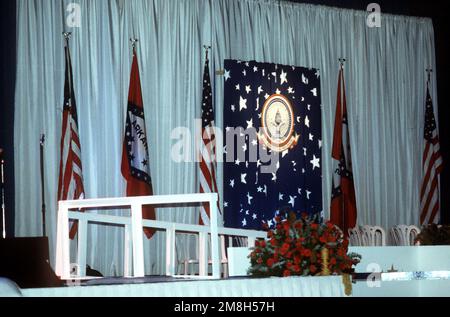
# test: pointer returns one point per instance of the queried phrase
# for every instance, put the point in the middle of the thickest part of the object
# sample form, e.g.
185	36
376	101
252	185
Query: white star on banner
242	104
315	162
283	77
307	121
292	200
227	75
308	193
250	124
304	80
232	183
238	87
280	196
244	223
248	89
260	90
249	199
243	178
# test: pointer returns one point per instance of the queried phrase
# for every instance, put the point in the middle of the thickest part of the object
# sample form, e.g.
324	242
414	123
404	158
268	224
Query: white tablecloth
331	286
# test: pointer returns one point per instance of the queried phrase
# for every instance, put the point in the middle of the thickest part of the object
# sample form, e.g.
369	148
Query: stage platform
330	286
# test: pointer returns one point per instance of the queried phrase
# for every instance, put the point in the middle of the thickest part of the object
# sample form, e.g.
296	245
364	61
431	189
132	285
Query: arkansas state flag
135	159
343	201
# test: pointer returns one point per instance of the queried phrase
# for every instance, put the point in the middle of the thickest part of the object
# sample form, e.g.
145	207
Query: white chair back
403	235
355	237
373	236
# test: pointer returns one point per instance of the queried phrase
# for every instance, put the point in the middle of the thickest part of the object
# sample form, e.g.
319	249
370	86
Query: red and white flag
135	158
343	201
70	184
432	167
208	162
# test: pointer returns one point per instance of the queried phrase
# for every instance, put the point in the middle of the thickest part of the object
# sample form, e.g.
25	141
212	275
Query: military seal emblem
277	124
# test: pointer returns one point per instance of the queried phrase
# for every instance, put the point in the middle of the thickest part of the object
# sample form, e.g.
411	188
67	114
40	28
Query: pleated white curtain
385	77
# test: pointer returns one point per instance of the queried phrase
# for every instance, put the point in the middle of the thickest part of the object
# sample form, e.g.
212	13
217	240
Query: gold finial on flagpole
429	71
342	61
207	48
134	41
67	36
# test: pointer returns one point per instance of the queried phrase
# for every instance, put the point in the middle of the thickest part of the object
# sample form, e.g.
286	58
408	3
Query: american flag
135	158
432	167
70	185
286	100
343	200
208	162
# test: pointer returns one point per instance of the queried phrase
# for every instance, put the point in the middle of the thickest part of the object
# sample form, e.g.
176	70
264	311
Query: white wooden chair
373	236
355	236
403	235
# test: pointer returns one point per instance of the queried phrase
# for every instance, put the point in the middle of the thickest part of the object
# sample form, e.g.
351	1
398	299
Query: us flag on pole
343	200
432	167
208	163
70	184
135	158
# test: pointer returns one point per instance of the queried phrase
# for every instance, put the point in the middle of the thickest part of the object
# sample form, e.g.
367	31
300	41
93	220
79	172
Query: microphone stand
2	185
42	141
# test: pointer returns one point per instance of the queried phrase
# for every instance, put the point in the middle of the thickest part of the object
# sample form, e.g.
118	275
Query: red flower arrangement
295	247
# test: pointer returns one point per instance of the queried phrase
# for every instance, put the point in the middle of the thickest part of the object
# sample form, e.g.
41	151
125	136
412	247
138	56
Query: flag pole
67	36
2	186
429	71
134	42
341	74
207	48
42	141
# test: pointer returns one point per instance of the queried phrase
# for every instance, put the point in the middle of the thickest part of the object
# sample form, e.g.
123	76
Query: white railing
133	232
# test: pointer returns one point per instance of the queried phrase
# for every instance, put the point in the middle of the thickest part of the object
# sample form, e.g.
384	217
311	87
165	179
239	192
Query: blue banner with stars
274	110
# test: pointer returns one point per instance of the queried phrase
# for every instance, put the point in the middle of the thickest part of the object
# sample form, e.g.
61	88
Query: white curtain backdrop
385	81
